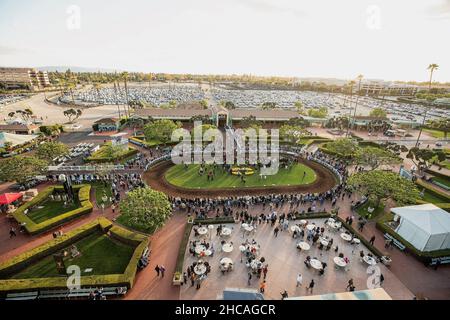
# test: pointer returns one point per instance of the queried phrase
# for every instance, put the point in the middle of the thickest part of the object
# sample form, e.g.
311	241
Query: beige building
30	78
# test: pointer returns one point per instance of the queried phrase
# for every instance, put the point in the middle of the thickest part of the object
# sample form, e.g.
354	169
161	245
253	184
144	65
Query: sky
380	39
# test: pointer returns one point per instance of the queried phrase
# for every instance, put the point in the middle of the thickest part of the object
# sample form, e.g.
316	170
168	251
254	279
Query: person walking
249	278
311	286
262	286
299	280
275	231
157	269
372	240
265	270
284	295
12	233
162	269
350	284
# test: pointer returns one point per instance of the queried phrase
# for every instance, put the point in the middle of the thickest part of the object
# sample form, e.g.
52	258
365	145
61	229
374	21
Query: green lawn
433	198
362	211
48	209
100	189
442	180
435	133
189	178
98	251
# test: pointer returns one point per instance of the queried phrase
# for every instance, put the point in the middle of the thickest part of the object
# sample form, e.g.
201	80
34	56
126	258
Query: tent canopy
15	139
8	198
426	226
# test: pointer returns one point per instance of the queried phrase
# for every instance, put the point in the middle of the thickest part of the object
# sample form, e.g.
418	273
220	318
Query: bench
22	296
53	294
442	260
397	243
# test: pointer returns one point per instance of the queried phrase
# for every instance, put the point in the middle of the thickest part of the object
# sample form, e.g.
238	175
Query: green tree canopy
378	112
250	121
160	130
72	114
422	156
375	157
321	112
343	146
382	185
21	168
292	133
50	150
145	209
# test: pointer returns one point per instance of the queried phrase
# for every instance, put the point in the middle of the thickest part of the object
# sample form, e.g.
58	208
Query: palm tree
359	77
351	84
431	67
125	78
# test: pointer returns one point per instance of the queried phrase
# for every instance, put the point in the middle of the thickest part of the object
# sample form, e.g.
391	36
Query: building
219	116
107	124
19	128
384	88
25	78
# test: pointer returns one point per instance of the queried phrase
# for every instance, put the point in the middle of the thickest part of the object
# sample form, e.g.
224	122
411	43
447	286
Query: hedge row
34	228
125	279
422	256
131	152
182	249
218	220
21	261
437	173
435	191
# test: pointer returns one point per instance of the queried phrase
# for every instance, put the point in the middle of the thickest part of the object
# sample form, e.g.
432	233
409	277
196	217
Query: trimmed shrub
126	279
34	228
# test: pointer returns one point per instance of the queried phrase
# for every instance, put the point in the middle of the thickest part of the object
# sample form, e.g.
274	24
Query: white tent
424	226
15	139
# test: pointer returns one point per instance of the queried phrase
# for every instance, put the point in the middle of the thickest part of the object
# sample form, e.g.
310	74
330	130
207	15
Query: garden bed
112	252
48	217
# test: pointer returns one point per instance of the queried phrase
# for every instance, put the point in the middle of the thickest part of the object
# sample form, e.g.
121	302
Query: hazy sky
384	39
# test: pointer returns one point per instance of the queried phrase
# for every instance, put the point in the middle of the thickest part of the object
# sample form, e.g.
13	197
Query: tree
343	146
298	122
204	103
375	157
268	105
160	130
431	67
72	114
50	150
382	185
145	209
378	112
442	125
423	156
249	121
321	112
202	118
21	168
229	105
292	133
112	151
300	108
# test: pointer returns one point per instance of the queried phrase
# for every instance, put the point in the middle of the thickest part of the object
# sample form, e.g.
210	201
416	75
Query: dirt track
155	178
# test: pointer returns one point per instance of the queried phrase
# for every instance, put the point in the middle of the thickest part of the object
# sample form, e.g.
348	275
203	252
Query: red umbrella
7	198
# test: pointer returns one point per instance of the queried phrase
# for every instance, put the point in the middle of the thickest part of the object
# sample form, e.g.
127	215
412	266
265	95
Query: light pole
360	77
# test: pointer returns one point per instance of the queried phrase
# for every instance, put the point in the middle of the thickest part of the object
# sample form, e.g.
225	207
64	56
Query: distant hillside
76	69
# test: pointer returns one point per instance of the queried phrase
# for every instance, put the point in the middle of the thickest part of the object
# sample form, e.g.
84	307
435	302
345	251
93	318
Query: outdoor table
324	242
356	241
226	261
331	220
227	247
202	231
303	222
210	227
346	236
225	232
200	269
340	262
244	225
208	252
311	227
369	260
295	228
334	225
200	248
249	228
316	264
242	248
304	246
